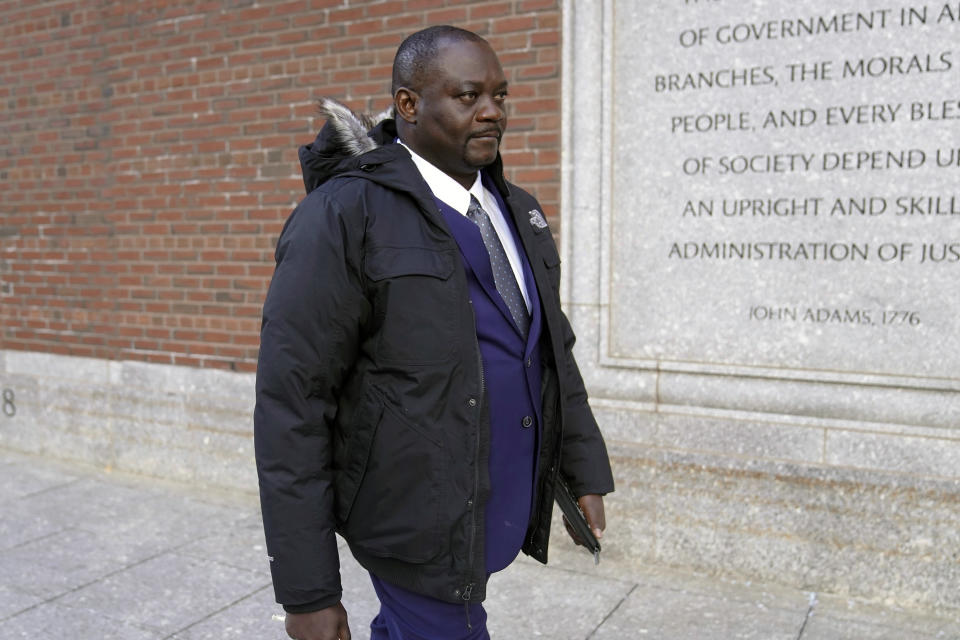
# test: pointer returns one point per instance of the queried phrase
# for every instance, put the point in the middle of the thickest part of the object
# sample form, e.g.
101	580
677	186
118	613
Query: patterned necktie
502	271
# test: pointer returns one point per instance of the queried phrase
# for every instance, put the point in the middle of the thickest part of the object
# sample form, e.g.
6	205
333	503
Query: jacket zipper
468	589
466	603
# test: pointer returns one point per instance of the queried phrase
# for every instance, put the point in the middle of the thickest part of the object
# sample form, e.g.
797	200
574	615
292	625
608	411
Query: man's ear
406	101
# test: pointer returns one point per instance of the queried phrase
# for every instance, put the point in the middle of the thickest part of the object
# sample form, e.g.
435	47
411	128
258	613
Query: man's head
449	92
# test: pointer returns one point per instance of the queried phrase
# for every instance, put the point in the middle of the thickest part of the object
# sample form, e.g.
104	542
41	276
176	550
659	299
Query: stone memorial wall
786	189
761	249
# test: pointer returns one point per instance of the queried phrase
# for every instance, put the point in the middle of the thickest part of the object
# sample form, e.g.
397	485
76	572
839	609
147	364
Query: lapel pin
537	220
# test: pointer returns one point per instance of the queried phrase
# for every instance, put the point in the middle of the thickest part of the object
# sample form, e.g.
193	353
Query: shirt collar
444	187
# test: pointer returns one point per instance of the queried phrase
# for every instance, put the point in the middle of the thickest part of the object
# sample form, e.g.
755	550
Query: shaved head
455	113
416	55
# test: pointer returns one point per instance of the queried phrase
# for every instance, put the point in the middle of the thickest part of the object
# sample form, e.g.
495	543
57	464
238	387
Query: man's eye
501	96
468	95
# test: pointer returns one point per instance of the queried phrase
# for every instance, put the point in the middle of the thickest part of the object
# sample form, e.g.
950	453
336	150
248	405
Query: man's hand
325	624
592	507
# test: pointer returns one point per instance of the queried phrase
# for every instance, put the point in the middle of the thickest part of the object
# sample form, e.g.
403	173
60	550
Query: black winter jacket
370	411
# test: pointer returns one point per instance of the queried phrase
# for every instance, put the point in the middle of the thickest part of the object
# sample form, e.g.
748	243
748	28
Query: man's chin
482	159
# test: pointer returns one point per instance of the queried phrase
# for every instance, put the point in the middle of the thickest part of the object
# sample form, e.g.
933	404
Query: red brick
346	15
533	107
307	19
419	5
385	9
365	27
545	38
518	23
391	40
291	37
410	20
447	16
518	58
291	8
490	10
548	20
537	5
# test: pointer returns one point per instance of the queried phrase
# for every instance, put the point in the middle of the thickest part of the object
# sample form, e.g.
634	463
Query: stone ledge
889	538
161	420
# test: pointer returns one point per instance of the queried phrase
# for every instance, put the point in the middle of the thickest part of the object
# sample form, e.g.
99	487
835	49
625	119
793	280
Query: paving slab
88	555
56	564
239	545
57	621
824	628
13	601
20	478
167	593
20	482
837	618
136	515
249	617
682	614
528	600
19	525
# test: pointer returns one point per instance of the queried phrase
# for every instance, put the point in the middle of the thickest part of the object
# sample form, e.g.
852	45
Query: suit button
472	402
527	421
529	363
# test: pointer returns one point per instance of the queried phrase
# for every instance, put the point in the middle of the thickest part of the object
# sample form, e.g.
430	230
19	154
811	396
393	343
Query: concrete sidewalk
86	555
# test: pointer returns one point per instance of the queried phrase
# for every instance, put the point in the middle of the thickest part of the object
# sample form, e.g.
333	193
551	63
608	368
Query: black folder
568	504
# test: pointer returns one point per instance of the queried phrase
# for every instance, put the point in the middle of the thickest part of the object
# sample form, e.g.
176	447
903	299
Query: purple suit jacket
512	375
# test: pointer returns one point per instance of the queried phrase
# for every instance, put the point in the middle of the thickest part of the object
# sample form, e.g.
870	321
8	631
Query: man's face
460	114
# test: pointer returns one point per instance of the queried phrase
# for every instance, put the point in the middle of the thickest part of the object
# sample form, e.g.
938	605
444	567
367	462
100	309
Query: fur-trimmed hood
350	129
344	138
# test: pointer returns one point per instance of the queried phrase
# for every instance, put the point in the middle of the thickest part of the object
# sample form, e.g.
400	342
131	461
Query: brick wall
148	154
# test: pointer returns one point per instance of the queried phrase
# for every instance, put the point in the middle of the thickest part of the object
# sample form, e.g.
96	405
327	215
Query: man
416	391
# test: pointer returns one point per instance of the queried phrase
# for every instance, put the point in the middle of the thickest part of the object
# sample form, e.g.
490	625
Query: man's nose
490	111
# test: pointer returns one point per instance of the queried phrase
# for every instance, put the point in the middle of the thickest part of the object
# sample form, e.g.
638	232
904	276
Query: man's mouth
490	133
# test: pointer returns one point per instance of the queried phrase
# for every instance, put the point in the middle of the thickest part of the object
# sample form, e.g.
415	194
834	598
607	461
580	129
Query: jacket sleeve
584	461
308	340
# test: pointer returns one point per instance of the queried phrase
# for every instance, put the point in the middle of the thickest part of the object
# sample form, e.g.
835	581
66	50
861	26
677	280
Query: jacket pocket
352	444
396	510
551	259
413	299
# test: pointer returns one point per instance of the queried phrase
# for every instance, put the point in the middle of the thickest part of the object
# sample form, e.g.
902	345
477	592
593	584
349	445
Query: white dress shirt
451	192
